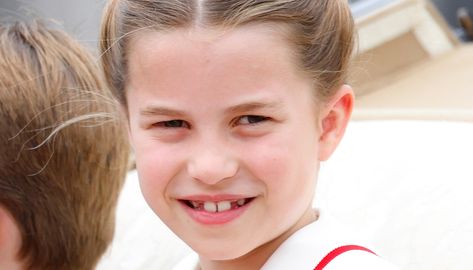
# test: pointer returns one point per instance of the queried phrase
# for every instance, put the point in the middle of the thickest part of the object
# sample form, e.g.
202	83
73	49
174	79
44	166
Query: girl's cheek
157	164
267	162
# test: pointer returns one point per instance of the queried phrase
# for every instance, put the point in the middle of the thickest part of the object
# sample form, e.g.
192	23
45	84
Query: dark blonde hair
63	152
321	32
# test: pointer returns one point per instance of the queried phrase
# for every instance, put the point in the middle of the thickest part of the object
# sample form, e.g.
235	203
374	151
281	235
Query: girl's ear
10	241
334	119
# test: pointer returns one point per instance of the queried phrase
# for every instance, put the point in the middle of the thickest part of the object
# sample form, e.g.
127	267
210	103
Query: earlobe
334	120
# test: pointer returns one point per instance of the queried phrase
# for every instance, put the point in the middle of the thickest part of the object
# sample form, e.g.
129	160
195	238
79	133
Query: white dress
309	245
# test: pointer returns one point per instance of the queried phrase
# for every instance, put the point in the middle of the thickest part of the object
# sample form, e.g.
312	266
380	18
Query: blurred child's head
64	154
231	107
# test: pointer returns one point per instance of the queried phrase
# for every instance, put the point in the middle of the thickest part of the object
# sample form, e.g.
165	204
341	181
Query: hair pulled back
321	32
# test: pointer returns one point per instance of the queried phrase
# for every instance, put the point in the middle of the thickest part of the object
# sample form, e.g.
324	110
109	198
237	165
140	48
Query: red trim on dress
338	251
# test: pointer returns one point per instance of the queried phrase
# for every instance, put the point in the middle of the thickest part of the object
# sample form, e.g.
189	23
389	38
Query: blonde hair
321	32
64	153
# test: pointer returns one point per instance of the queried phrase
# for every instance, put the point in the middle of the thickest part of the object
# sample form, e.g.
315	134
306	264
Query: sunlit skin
216	115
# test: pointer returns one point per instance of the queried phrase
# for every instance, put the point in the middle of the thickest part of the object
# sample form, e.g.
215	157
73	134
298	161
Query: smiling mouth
217	207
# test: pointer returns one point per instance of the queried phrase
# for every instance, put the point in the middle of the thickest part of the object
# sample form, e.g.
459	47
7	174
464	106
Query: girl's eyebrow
159	110
252	106
153	110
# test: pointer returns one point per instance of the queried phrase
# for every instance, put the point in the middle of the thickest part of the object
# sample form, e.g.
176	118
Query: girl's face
225	133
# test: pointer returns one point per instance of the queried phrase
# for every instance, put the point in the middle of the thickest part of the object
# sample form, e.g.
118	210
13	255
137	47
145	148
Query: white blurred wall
80	18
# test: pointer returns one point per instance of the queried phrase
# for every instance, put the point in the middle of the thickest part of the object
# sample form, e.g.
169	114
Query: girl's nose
212	165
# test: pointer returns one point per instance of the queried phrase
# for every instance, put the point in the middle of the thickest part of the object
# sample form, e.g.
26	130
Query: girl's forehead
224	67
253	48
213	34
247	39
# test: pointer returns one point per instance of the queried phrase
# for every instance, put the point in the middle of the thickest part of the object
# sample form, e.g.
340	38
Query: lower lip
216	218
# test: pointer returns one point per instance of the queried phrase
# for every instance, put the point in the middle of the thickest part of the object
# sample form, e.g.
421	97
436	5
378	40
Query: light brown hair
321	32
63	152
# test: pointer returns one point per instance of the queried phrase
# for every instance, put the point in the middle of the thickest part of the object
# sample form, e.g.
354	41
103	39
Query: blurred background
80	18
414	59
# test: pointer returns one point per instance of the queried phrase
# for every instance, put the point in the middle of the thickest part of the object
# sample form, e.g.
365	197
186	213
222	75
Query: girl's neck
258	257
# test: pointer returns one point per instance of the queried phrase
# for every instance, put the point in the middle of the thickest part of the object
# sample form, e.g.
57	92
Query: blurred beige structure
410	65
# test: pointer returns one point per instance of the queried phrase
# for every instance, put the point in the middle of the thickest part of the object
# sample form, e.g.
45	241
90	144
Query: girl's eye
251	119
173	124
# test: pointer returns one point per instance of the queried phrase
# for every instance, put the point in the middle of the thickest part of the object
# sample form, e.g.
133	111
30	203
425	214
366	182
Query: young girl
231	107
63	154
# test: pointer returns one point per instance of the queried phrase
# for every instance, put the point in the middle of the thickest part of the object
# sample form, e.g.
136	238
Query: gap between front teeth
222	206
217	207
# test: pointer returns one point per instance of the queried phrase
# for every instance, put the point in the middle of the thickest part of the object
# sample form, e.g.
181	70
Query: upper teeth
220	206
217	206
223	206
195	204
210	207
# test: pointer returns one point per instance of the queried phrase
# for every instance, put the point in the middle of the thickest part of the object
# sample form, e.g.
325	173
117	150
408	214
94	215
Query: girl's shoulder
357	259
317	241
